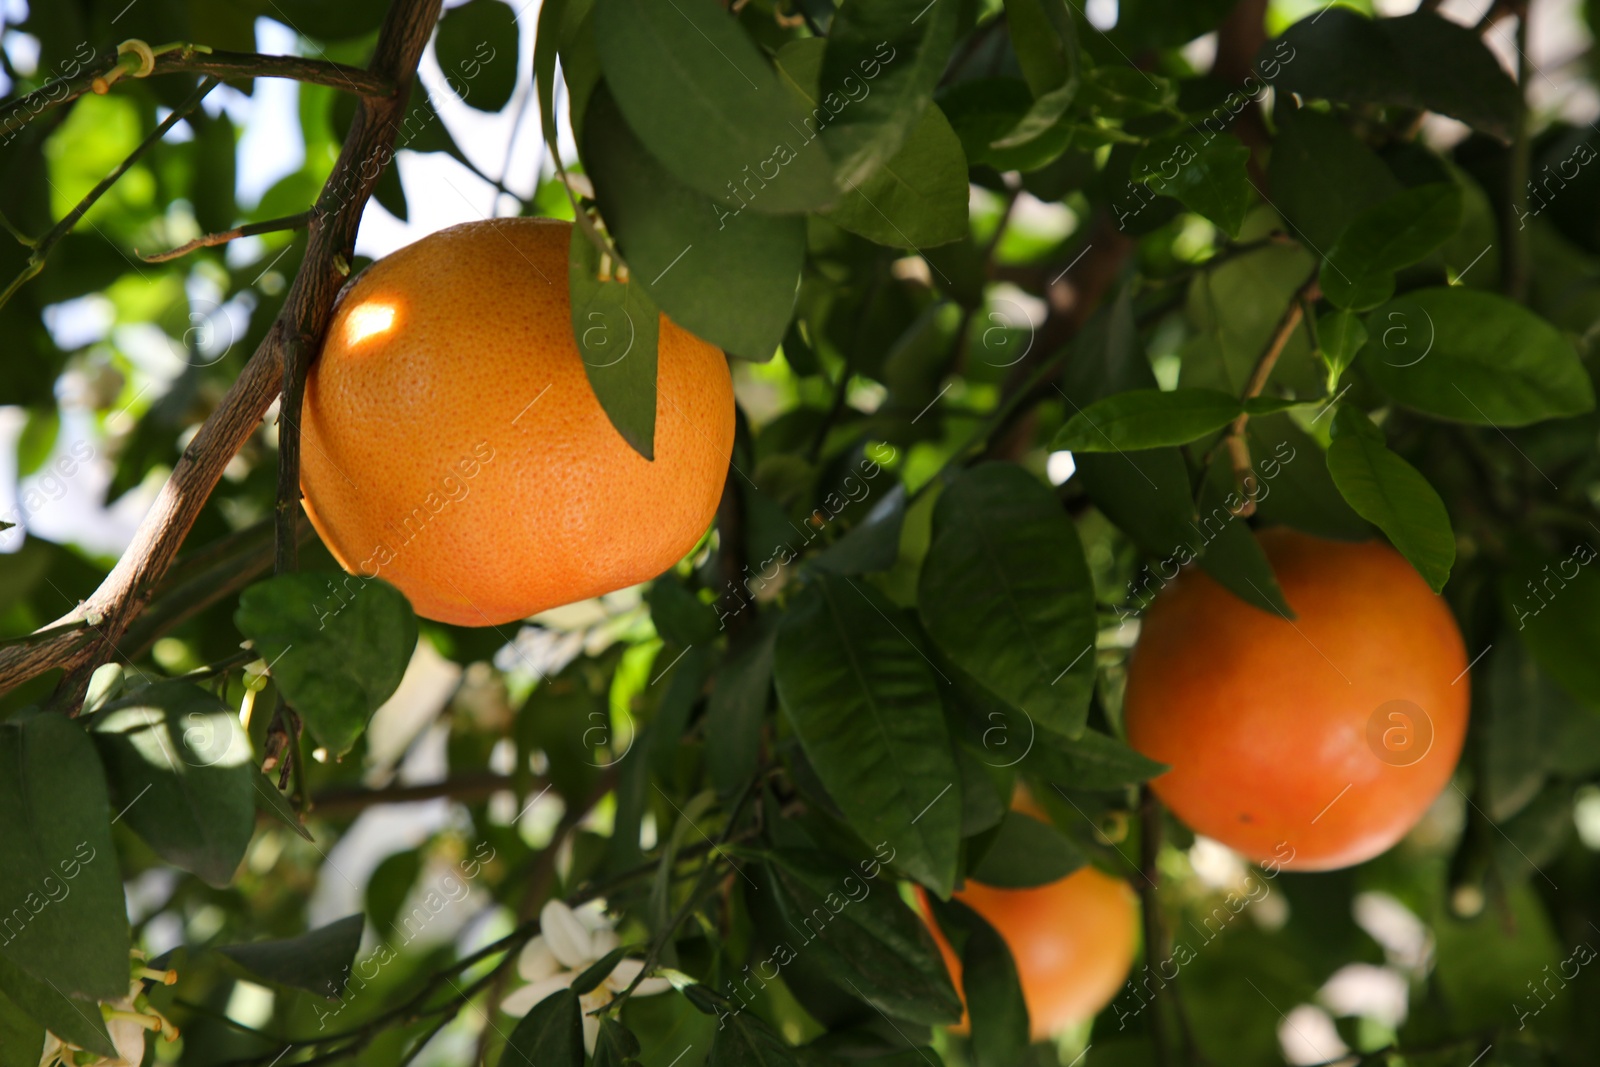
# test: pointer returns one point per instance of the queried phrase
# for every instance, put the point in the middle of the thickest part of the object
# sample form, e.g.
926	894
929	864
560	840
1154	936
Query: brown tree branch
212	240
367	150
226	66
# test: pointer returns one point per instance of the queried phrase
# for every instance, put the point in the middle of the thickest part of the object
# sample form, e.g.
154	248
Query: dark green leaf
614	1045
1474	357
597	972
709	105
1234	558
915	198
551	1035
1322	176
1389	493
918	198
738	709
1554	604
336	652
1147	418
1006	594
616	327
21	1038
873	544
1419	61
863	934
897	49
722	273
317	961
477	50
996	1006
65	920
863	700
74	1019
1146	494
387	890
1359	272
680	616
1023	852
986	111
1092	760
1204	171
180	766
268	799
745	1041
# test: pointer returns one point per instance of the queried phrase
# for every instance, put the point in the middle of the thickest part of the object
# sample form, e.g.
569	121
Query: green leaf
722	273
1359	271
1023	852
1145	494
746	1041
616	327
1419	61
21	1039
1202	170
863	701
1529	725
873	544
1474	357
1046	42
551	1035
1389	493
477	50
916	198
1146	419
987	111
1341	335
863	934
336	654
737	711
996	1006
1554	604
65	920
1006	594
897	49
75	1019
1322	176
317	961
597	972
1092	760
709	105
614	1045
267	798
678	615
181	768
1234	558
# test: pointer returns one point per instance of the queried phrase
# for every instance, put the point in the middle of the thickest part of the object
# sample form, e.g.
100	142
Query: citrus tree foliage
1244	263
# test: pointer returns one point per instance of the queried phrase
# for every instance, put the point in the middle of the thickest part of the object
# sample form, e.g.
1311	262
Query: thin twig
212	240
42	247
227	66
1238	445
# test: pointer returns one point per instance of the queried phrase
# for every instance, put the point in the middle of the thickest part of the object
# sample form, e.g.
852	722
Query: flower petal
568	938
537	961
592	914
591	1030
603	941
522	1001
624	973
651	986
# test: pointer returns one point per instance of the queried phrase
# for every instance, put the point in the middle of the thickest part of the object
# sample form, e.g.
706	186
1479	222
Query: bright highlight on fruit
1316	742
454	447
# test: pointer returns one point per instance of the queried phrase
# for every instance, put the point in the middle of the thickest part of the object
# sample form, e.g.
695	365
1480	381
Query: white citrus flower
569	943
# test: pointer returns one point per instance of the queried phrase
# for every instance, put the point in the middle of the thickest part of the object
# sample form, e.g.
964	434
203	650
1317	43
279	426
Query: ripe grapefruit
1315	743
454	447
1073	942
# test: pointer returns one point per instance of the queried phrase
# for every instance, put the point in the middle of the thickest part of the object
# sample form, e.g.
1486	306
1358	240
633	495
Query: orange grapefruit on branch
1316	742
452	444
